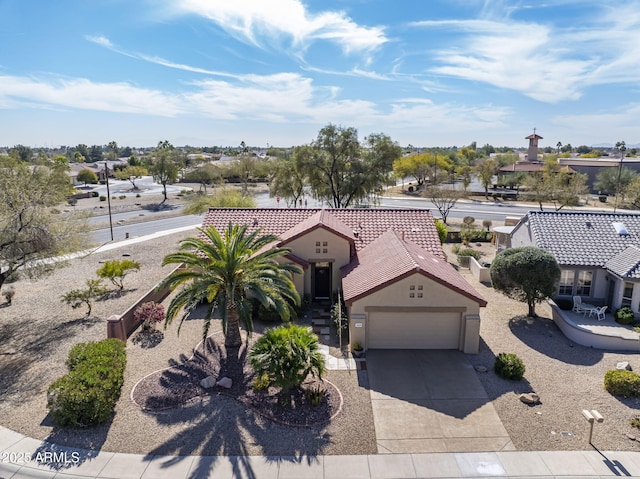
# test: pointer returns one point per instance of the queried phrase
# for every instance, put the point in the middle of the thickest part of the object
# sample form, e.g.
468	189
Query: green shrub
116	270
122	197
621	382
261	382
509	366
87	395
441	228
103	198
470	252
137	195
625	316
314	395
94	194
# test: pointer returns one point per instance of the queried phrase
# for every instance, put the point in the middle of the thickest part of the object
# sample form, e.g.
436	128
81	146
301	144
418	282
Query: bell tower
532	153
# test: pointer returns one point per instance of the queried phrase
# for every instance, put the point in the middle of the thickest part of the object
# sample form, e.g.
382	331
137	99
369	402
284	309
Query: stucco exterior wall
436	297
338	253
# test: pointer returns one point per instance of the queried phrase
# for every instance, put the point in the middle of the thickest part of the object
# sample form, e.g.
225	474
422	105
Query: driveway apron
431	401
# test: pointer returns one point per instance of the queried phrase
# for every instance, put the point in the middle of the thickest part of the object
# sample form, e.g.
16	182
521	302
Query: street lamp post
621	147
106	177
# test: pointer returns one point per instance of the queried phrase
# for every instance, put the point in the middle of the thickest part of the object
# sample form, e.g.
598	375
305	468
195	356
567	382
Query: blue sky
273	72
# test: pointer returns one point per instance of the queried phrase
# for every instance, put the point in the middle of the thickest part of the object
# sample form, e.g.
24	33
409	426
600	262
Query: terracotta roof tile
390	258
322	218
365	225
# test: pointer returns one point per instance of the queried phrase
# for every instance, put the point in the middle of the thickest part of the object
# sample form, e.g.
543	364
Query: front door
322	280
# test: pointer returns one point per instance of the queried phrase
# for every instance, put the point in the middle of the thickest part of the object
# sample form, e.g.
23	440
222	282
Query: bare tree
443	198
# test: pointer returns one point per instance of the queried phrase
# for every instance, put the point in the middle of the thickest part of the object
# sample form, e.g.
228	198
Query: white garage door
412	330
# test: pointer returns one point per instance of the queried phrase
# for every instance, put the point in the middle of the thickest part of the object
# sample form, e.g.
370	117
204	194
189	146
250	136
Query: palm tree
226	271
287	354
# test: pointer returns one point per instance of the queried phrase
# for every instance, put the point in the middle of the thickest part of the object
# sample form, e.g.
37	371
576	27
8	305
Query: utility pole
106	177
621	147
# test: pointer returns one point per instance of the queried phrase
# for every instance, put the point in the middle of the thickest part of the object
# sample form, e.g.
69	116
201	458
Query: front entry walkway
427	401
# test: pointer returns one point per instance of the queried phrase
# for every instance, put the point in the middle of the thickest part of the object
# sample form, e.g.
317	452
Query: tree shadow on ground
555	344
117	293
155	207
56	455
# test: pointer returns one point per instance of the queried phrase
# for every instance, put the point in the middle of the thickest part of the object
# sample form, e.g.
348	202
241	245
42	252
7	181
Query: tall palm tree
227	271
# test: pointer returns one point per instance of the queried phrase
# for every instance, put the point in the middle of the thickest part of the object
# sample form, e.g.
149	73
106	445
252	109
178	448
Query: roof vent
255	221
588	224
620	228
355	233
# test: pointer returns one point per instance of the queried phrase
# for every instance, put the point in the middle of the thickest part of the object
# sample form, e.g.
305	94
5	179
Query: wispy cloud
259	22
82	94
547	62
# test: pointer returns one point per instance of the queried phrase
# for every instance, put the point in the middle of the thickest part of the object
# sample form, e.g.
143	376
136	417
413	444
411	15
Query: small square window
324	243
411	295
317	243
419	295
419	287
317	250
412	287
324	250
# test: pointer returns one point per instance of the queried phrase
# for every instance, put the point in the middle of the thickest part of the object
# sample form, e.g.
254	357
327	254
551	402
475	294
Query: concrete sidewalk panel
125	466
169	467
233	467
567	463
396	466
8	438
480	464
302	468
411	446
346	467
436	465
523	464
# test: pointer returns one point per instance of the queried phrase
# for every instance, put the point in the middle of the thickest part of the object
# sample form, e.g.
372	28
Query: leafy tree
112	148
205	175
31	230
78	158
288	354
441	228
83	150
77	297
21	153
87	176
526	274
607	179
95	154
465	173
165	168
443	198
288	180
429	166
342	172
485	170
224	198
116	270
226	271
555	184
246	168
131	173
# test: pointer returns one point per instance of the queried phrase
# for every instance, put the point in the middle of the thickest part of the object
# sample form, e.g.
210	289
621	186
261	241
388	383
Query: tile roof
322	218
365	225
626	264
390	258
583	238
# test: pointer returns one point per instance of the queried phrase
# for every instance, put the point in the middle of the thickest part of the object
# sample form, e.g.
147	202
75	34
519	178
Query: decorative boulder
208	382
225	382
624	365
529	398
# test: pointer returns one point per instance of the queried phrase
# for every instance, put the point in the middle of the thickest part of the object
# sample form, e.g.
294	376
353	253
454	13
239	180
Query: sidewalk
22	457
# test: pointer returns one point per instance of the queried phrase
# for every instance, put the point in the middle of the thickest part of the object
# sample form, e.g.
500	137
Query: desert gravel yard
37	332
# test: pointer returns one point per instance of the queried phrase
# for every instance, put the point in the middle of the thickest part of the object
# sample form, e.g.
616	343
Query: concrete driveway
431	401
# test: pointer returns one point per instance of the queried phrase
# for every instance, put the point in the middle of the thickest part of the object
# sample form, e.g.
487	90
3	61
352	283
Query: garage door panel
388	330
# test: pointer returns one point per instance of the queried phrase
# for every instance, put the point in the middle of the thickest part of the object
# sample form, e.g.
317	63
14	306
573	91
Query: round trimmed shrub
621	382
625	316
509	366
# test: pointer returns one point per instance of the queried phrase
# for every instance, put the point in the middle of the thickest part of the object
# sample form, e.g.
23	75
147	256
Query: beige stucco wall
338	253
435	297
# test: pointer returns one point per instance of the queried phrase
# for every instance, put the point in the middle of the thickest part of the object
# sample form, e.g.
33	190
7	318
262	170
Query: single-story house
598	253
389	266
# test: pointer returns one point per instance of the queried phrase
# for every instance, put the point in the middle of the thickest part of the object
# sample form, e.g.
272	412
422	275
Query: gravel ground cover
567	377
37	332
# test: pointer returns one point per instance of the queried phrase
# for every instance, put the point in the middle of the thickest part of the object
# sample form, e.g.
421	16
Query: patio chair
577	304
600	312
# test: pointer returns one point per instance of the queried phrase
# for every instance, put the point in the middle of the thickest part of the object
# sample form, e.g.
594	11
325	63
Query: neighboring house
389	266
598	253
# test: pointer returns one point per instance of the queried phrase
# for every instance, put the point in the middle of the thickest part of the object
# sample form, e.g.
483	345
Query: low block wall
124	325
612	341
479	272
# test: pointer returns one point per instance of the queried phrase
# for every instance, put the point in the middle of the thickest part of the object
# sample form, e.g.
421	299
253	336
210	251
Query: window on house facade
627	294
566	282
584	283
